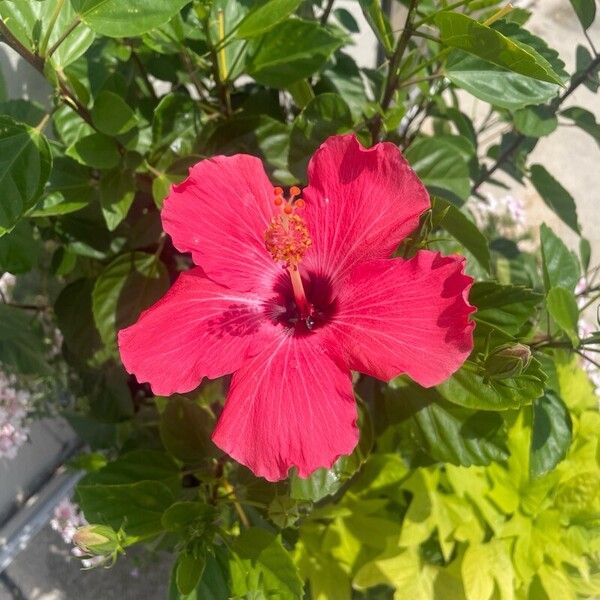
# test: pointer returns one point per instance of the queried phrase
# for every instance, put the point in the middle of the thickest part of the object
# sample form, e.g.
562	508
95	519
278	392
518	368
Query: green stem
50	28
66	33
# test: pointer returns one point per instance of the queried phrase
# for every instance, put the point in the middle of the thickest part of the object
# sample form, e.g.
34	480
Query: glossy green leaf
373	12
23	111
185	430
117	192
127	286
262	564
112	115
585	120
555	196
585	10
189	569
441	167
29	23
464	231
560	265
325	115
25	165
95	150
468	387
562	306
265	15
447	432
175	124
551	434
293	51
535	121
115	18
19	249
495	85
464	33
21	345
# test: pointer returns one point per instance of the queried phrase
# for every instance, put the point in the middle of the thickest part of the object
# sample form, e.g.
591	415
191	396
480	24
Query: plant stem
50	28
520	138
33	59
66	33
144	74
327	12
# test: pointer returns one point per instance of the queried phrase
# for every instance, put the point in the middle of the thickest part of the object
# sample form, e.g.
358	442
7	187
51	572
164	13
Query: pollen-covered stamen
287	239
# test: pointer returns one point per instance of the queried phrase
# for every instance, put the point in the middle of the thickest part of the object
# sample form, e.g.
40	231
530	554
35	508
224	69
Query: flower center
287	239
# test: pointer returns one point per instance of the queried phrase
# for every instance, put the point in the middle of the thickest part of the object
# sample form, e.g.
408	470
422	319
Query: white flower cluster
504	215
66	520
14	406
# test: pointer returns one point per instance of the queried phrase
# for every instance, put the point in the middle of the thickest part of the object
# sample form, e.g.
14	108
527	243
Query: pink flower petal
359	203
407	316
198	329
220	214
290	406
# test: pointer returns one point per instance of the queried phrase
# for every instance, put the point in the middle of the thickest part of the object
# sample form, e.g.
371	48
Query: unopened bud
508	360
97	540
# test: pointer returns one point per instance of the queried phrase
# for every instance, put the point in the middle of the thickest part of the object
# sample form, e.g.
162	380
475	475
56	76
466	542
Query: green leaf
19	249
108	394
112	115
551	434
584	119
583	61
447	432
468	388
138	507
326	482
560	265
127	286
379	23
28	21
295	50
95	150
25	165
562	306
117	192
265	15
30	113
116	18
441	167
182	516
464	231
555	196
21	347
175	124
464	33
535	121
586	11
262	564
185	430
188	572
505	307
325	115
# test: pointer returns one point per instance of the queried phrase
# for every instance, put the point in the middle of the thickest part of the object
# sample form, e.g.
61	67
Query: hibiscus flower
292	294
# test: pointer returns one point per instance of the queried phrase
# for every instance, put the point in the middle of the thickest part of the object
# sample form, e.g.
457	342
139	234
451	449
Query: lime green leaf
556	584
265	15
441	167
535	121
293	51
185	430
116	18
551	433
95	150
562	306
505	307
561	266
262	564
486	566
464	231
586	11
25	165
189	569
21	347
462	32
325	115
19	249
468	388
584	119
112	115
576	389
127	286
555	196
447	432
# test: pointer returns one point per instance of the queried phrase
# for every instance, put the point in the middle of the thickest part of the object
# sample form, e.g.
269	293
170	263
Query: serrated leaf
551	434
562	306
112	115
560	265
95	150
556	197
535	121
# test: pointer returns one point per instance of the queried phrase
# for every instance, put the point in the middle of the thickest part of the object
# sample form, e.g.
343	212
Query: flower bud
97	540
508	360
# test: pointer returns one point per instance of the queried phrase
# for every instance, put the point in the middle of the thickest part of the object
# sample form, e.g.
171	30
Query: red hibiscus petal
198	329
220	214
290	406
407	316
359	203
